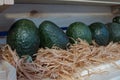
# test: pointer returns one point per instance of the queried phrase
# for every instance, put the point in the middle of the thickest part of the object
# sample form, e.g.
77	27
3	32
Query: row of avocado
101	33
26	38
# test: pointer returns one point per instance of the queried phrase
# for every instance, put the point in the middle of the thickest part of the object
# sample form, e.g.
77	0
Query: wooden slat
62	15
87	2
8	2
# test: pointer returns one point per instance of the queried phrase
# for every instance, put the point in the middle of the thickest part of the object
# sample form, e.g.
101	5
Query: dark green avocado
23	37
114	31
51	35
99	33
79	30
116	19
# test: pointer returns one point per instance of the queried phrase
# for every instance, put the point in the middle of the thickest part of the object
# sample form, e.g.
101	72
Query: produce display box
63	14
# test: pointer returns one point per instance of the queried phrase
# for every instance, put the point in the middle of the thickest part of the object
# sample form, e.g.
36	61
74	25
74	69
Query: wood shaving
57	63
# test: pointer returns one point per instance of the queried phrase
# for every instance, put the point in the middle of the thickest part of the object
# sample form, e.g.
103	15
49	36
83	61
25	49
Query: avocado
99	33
79	30
114	31
23	37
116	19
52	35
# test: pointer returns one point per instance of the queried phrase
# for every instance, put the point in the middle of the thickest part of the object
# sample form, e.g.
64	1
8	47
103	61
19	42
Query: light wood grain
8	2
62	15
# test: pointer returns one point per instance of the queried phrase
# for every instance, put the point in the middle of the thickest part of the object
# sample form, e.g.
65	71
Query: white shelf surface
108	71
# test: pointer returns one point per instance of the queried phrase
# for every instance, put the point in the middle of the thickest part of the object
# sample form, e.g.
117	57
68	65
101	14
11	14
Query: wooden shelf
87	2
76	2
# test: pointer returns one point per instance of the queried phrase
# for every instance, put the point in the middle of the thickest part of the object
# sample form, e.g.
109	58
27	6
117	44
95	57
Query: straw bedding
56	63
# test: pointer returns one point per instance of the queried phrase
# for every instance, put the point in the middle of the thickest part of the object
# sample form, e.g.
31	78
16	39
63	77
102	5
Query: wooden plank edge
8	2
87	2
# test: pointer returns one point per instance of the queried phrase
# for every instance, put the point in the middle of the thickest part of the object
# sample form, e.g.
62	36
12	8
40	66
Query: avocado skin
79	30
51	35
100	33
23	37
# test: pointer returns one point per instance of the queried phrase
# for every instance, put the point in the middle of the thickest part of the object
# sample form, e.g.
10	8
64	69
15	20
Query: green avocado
51	35
23	37
114	31
116	19
79	30
99	33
